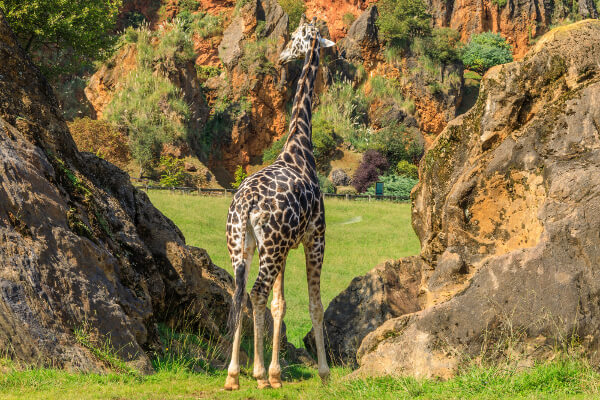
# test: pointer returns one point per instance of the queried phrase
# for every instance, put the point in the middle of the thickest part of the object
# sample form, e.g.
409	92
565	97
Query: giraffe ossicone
275	210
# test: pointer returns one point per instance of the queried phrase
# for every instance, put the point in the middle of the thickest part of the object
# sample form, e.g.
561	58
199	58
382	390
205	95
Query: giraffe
275	210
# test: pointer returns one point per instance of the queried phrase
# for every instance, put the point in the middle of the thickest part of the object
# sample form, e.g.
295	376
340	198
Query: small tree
372	165
239	177
69	30
404	168
173	172
324	142
485	50
294	9
401	20
444	45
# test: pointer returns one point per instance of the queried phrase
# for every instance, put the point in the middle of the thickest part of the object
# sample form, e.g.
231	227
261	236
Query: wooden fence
223	192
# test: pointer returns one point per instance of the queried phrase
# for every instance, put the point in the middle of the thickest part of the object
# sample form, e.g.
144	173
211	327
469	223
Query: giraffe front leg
314	251
278	311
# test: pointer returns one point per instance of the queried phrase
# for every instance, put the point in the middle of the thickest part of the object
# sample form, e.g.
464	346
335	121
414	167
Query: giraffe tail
241	276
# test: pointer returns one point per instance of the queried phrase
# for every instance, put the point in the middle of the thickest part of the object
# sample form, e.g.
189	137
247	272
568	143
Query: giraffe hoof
232	383
263	383
275	381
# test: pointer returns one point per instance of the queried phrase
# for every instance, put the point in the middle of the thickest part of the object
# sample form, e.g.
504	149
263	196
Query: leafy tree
485	50
371	167
325	184
444	45
173	172
324	142
397	143
239	177
401	20
60	33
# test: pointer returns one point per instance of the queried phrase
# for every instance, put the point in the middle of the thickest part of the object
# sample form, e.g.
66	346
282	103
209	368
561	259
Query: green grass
359	236
563	378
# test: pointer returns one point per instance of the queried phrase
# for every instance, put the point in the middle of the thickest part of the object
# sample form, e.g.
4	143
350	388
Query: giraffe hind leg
278	310
241	266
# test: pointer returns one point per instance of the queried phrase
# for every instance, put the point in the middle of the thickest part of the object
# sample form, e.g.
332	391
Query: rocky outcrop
362	42
507	211
519	21
81	250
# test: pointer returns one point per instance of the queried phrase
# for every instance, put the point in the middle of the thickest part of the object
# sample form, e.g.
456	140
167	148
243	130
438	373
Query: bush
372	165
189	5
397	143
254	59
346	110
485	50
101	138
239	177
444	45
346	190
325	184
339	177
175	42
172	172
404	168
348	19
324	143
402	20
204	72
271	153
394	185
294	9
152	111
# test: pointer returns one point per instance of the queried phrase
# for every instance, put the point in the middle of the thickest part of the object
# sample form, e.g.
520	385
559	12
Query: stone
339	177
506	210
362	39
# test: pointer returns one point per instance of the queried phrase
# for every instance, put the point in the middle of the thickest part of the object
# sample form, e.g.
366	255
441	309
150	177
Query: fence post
369	198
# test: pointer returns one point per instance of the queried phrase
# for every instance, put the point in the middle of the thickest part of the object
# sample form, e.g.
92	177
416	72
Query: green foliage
444	45
348	18
152	111
394	185
407	169
272	152
325	184
294	9
189	5
402	20
345	109
499	3
61	35
239	177
101	138
134	19
324	141
224	113
485	50
175	43
205	72
172	172
397	143
383	88
254	59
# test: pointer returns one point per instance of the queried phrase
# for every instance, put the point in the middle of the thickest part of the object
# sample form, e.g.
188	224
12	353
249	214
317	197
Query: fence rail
207	191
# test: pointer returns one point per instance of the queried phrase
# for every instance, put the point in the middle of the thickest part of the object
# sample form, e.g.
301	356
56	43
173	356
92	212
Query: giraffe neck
298	148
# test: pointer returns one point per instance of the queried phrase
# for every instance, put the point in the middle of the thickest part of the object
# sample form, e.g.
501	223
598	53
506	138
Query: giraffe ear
302	19
326	42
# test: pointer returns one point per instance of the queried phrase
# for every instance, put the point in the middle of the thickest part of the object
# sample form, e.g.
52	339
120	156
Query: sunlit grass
359	236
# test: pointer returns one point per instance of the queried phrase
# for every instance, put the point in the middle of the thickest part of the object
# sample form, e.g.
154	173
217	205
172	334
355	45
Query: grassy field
359	236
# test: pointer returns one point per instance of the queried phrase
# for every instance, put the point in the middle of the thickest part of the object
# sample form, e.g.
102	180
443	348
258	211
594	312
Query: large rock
80	248
507	211
362	41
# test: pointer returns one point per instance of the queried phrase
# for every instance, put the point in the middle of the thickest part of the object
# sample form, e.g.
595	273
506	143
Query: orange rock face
333	11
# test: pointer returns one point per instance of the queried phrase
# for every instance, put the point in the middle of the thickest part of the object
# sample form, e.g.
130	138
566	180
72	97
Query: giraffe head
299	43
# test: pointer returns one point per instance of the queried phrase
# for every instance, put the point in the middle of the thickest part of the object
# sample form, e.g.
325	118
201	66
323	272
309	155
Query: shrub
485	50
394	185
204	72
407	169
346	110
271	153
101	138
152	111
372	165
325	184
397	143
172	172
348	19
294	9
239	177
189	5
339	177
444	45
346	190
324	143
208	25
384	88
402	20
254	59
175	42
